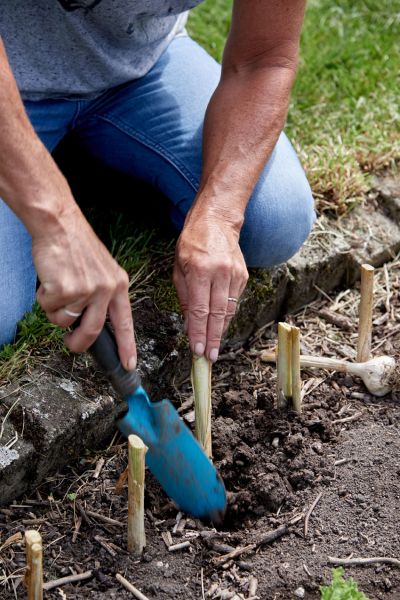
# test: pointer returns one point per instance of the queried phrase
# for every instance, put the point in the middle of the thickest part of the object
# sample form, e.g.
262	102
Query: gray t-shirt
79	48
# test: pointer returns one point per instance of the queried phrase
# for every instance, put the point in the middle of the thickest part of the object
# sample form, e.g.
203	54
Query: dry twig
354	417
309	513
77	528
253	585
122	479
180	546
220	560
202	583
106	545
131	588
364	561
99	466
264	539
50	585
100	517
334	319
13	539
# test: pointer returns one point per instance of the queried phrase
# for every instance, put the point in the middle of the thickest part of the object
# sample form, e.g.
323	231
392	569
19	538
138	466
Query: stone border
330	259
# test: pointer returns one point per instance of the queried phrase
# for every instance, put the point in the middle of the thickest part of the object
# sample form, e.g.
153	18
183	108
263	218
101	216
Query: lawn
343	120
344	113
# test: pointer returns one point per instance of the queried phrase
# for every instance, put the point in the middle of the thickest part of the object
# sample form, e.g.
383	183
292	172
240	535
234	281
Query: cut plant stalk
34	561
201	382
284	370
136	473
378	374
295	367
365	313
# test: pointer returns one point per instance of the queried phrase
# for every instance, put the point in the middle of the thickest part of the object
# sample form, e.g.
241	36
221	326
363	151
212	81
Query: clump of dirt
265	457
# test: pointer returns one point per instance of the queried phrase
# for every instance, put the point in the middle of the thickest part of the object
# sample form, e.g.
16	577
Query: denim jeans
151	129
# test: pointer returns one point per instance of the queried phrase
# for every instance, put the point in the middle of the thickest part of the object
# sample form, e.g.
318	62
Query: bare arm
248	109
244	119
25	160
74	268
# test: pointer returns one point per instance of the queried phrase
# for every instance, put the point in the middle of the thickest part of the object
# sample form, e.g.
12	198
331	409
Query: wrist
222	210
43	200
46	217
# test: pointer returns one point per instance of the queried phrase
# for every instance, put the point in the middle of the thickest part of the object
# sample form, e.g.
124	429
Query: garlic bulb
380	375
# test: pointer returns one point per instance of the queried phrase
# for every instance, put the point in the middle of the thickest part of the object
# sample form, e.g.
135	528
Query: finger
182	291
120	312
218	307
55	297
236	289
49	298
66	316
89	328
198	312
231	309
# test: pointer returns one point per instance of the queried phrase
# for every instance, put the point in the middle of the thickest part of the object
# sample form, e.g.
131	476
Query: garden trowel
174	456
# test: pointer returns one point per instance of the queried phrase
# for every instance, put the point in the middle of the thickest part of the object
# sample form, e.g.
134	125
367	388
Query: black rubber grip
105	352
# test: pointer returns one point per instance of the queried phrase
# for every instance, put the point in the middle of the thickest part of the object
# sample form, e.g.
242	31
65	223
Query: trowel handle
105	352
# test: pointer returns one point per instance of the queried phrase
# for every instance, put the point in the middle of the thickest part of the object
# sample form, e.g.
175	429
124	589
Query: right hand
77	273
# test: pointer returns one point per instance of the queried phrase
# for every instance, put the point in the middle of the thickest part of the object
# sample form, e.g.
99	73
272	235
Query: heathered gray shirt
78	48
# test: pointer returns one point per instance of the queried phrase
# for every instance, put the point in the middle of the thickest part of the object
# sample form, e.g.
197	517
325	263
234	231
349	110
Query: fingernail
214	354
132	364
199	349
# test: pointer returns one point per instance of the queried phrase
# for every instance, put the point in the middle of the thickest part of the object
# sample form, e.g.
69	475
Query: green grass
36	338
344	116
343	120
147	257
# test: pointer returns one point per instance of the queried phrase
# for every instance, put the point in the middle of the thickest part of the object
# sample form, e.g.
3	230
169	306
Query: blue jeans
151	128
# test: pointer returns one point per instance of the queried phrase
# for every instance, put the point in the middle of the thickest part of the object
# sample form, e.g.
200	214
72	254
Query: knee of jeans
300	225
284	230
9	319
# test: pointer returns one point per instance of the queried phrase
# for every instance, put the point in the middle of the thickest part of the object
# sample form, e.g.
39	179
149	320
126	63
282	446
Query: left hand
209	269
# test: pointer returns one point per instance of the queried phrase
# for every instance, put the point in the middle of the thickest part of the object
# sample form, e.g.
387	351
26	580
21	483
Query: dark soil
274	465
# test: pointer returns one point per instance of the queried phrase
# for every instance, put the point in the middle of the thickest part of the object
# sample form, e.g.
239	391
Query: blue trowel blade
175	457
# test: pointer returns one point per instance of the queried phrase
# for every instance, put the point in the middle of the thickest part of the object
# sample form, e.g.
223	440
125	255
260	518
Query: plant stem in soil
34	561
365	313
201	382
136	472
284	359
295	364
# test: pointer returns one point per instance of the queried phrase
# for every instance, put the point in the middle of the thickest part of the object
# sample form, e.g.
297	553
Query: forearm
244	119
30	181
248	109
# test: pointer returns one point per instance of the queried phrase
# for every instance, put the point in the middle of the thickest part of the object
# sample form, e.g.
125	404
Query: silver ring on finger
231	299
71	313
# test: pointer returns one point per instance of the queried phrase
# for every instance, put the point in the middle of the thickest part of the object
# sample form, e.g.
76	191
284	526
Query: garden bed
342	450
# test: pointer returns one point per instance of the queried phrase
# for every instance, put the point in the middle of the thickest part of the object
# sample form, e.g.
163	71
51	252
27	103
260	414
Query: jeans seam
152	145
76	115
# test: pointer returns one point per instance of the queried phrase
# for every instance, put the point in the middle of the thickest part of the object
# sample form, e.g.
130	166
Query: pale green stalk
296	377
136	471
201	382
284	360
34	563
